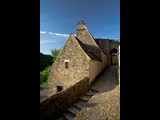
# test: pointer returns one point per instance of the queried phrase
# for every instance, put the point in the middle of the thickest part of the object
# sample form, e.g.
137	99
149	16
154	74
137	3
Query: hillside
45	60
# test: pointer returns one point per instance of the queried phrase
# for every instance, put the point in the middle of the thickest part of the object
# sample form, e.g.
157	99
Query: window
59	88
67	63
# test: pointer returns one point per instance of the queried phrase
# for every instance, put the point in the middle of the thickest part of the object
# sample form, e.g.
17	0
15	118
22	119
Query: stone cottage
81	56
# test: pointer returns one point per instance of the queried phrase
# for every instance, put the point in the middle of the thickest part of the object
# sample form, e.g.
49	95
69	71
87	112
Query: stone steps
85	98
73	109
77	107
80	104
91	92
68	115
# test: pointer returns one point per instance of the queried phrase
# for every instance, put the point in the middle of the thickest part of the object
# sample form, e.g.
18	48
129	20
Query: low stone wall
55	104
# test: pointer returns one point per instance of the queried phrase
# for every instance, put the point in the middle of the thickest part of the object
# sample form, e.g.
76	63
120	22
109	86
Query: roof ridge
87	51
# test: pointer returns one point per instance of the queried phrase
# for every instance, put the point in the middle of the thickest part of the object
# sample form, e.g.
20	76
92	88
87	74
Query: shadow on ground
106	80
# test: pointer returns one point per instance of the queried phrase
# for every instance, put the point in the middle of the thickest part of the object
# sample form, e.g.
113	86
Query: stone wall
114	44
78	66
52	106
106	48
95	67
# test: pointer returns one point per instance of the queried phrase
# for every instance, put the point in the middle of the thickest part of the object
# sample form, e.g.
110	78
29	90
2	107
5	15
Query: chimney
80	27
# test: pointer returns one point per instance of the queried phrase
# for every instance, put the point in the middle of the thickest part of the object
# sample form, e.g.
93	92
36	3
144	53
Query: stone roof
88	51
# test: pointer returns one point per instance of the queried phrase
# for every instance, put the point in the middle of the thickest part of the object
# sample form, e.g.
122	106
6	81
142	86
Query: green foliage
54	53
44	75
45	60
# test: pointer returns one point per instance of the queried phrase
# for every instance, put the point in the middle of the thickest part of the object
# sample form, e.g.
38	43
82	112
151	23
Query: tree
54	53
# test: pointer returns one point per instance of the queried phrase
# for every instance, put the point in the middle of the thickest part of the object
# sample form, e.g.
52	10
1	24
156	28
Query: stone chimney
80	26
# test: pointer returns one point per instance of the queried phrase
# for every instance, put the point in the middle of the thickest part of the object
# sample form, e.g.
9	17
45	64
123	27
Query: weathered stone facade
78	66
81	59
81	56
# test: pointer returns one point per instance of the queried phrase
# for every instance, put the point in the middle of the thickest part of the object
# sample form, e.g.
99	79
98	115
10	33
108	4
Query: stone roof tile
87	51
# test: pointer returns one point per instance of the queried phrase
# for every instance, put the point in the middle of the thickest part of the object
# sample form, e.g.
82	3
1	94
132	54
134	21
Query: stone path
101	102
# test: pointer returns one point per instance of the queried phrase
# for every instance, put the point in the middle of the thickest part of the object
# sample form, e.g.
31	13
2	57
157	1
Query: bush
44	75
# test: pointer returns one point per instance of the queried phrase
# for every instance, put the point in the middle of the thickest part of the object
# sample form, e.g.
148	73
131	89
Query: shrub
44	75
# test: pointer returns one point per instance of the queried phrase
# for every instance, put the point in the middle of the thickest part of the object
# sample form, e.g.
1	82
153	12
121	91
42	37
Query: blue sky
58	18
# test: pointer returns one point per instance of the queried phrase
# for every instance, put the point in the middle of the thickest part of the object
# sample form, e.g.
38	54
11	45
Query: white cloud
56	34
116	38
61	35
47	41
50	33
43	32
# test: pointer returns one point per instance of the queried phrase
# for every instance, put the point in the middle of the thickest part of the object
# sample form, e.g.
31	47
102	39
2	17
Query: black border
20	58
20	92
138	53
